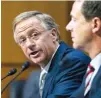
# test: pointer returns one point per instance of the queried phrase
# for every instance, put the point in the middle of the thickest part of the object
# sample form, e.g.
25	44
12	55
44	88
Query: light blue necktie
42	81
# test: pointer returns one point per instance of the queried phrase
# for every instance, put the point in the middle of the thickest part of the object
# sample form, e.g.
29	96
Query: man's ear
54	34
96	24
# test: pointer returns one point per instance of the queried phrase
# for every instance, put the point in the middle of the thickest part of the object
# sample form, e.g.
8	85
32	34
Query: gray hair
47	21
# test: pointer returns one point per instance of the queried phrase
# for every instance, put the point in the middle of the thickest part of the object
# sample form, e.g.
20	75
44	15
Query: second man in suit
85	27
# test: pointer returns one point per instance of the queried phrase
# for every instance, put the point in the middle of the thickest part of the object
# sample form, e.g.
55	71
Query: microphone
24	67
11	72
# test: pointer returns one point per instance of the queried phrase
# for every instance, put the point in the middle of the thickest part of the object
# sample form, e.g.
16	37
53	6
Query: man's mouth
34	54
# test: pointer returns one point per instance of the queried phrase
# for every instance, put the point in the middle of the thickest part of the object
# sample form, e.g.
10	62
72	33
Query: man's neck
44	64
94	50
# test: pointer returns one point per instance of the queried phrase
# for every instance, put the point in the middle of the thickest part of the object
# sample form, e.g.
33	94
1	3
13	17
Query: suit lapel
80	91
53	70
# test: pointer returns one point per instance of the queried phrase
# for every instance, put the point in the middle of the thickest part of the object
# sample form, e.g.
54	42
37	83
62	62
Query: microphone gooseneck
24	67
11	72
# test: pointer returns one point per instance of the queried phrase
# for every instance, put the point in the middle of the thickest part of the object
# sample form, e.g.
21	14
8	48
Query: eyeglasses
32	36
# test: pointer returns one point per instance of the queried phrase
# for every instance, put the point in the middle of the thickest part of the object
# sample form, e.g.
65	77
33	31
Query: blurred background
11	54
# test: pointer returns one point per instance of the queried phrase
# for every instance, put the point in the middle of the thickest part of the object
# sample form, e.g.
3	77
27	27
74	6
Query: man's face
36	42
80	29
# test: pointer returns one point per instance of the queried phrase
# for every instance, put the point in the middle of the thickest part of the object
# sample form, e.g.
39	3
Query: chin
75	46
38	60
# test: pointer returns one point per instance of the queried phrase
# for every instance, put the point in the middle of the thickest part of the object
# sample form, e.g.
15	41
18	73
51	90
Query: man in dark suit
62	67
85	28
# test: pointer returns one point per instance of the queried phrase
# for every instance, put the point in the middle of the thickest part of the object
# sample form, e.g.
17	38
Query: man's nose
68	27
30	43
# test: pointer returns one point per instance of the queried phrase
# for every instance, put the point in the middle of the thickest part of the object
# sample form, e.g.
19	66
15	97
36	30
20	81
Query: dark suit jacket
65	75
66	72
95	91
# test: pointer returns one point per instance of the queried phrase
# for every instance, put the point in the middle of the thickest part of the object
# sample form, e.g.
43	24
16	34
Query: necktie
89	74
42	81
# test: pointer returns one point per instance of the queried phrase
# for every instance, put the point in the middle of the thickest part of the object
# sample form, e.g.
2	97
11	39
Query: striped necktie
89	74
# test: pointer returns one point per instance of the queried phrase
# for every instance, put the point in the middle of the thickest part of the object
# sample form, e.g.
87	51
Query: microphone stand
10	82
11	72
24	67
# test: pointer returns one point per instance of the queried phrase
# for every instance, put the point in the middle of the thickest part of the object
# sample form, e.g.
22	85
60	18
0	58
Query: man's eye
22	41
34	35
74	19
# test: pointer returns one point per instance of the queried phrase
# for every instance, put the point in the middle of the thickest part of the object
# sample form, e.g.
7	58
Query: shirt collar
96	62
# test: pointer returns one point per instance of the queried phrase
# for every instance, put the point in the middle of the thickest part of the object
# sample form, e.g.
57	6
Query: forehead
76	8
28	24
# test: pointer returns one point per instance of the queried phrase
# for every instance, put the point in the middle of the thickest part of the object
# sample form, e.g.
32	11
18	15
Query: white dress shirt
96	63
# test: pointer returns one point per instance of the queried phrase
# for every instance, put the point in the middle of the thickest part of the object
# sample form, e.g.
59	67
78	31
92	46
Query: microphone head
12	71
25	66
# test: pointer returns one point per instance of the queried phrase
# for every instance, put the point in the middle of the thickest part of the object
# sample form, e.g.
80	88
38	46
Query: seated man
85	28
62	67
